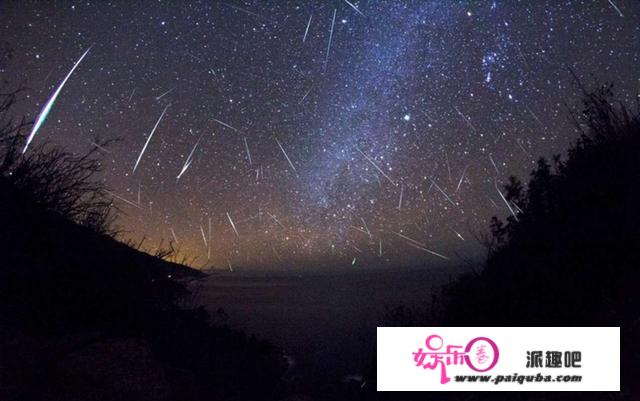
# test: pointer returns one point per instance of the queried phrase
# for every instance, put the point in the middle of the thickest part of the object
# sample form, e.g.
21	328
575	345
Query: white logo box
560	359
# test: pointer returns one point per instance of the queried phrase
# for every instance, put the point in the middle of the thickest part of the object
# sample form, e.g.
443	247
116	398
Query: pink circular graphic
430	339
496	353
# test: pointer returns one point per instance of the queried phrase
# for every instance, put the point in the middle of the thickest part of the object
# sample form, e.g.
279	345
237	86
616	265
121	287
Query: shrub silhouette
571	252
55	180
570	255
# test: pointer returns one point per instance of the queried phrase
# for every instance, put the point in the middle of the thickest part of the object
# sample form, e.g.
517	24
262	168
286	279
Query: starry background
330	133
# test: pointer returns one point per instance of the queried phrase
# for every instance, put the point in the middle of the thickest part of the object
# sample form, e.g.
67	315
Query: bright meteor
149	138
47	108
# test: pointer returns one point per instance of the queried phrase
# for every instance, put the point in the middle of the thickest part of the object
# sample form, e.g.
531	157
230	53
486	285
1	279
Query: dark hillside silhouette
85	317
571	256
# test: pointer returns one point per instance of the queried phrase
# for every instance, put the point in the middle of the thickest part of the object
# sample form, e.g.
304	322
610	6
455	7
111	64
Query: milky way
333	133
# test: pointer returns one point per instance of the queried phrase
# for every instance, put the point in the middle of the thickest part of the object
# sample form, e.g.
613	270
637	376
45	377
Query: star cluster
297	133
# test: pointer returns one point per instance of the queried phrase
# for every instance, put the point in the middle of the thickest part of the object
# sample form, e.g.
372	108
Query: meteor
241	9
224	124
274	219
360	229
127	201
305	95
209	244
233	225
102	148
164	94
173	234
616	7
246	146
505	201
149	138
457	234
442	192
333	23
285	155
494	164
446	158
376	166
204	238
365	227
535	117
466	120
461	178
47	108
306	31
354	7
187	163
407	238
429	251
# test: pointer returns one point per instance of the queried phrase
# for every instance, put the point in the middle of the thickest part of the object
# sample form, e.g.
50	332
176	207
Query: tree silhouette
571	256
573	250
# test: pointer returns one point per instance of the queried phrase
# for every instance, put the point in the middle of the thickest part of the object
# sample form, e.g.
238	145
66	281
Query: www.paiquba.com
517	378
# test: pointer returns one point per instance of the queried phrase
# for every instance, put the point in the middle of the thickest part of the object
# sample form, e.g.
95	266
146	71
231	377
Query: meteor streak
241	9
446	158
365	227
494	164
466	120
360	229
285	155
461	178
616	7
164	94
505	201
457	234
443	193
306	31
204	238
407	238
173	234
233	225
127	201
246	146
305	95
354	7
209	245
535	117
47	108
419	245
376	166
187	163
274	219
224	124
429	251
333	22
102	148
149	138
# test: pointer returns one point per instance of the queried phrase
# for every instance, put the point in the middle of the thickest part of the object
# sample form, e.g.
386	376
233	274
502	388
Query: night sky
304	133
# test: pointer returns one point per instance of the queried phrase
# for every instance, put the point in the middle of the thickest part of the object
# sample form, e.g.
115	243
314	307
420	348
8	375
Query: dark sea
325	323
